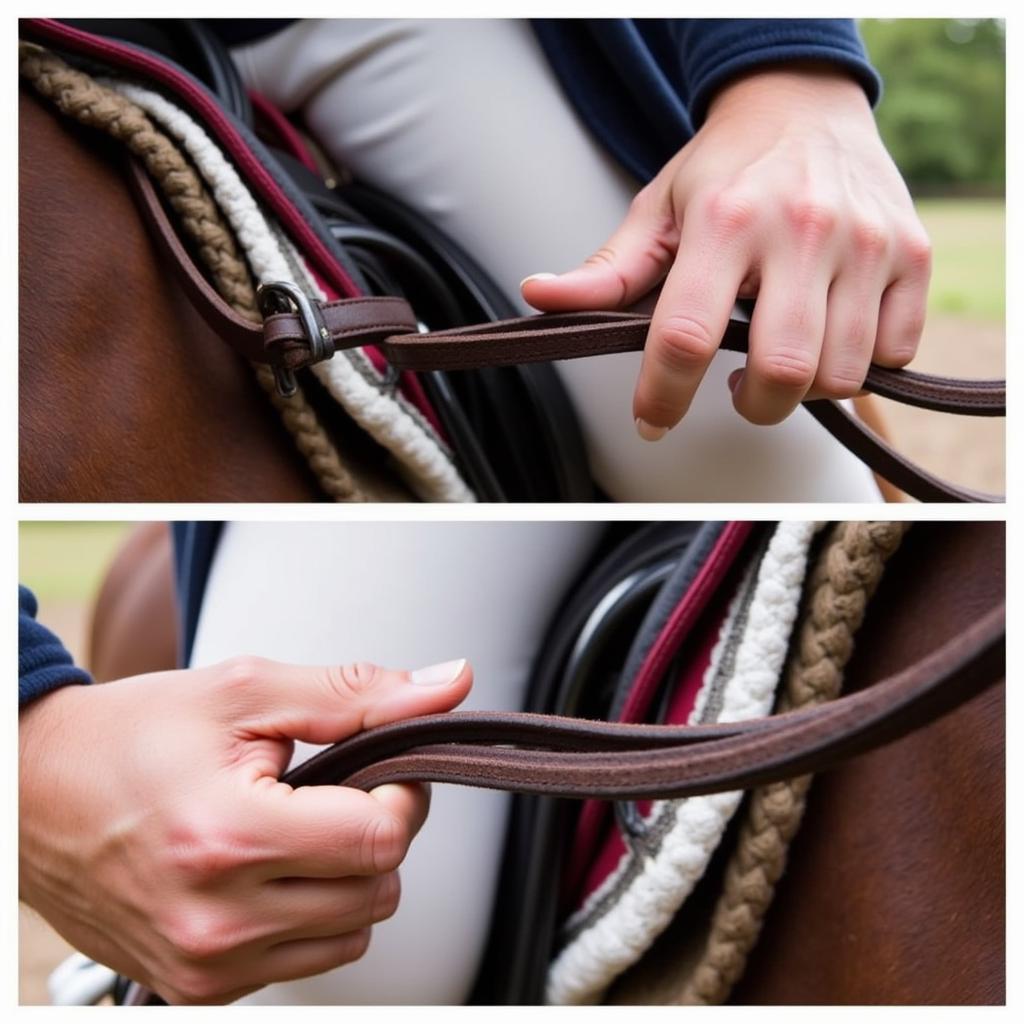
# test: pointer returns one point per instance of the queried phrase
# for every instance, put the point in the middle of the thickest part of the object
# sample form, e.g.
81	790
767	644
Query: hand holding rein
286	341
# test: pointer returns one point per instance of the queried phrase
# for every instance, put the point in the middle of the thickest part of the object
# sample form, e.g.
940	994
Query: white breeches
466	122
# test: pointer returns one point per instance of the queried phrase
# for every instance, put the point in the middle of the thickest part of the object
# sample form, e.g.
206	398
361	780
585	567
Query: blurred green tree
943	111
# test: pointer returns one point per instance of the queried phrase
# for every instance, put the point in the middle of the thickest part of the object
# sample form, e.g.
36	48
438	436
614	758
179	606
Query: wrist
795	88
45	744
41	723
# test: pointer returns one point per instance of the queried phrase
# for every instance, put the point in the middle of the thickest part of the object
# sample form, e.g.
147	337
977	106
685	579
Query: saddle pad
349	377
727	542
194	97
332	278
633	892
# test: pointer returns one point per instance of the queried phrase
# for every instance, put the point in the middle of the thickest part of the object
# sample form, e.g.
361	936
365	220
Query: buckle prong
279	297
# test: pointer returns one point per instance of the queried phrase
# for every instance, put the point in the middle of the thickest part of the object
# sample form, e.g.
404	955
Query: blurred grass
969	256
64	562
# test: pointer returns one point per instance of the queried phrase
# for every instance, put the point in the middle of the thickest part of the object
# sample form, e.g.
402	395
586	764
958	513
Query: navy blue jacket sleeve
714	50
642	86
44	664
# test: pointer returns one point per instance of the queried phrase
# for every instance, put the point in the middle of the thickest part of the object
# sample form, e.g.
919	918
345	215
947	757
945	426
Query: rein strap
284	342
578	758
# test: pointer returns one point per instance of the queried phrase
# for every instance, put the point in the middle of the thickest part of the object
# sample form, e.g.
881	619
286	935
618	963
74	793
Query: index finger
689	320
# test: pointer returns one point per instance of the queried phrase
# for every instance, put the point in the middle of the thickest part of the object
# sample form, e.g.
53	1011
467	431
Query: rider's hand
156	837
787	193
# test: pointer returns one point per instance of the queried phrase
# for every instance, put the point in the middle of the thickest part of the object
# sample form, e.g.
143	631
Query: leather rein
289	340
571	757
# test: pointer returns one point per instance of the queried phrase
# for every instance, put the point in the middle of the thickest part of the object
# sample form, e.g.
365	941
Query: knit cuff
833	41
44	664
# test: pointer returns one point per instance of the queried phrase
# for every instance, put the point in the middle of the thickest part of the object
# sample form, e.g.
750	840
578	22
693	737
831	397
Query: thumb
635	259
327	703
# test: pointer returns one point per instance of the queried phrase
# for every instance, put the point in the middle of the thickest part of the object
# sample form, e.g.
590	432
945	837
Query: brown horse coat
125	394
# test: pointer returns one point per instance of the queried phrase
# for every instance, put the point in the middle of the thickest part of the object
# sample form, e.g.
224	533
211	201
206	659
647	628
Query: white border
759	511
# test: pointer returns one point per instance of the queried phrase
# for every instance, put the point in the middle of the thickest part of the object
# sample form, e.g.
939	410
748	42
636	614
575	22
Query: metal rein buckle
280	297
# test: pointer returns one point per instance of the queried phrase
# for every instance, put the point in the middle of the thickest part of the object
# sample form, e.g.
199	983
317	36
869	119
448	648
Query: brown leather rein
289	341
571	757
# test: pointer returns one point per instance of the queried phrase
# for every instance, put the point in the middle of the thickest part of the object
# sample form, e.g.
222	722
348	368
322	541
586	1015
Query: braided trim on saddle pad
845	576
623	917
120	109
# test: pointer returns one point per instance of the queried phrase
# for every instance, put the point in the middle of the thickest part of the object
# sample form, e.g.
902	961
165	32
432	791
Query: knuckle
917	250
759	416
353	680
840	383
199	937
608	260
730	210
913	328
899	354
198	854
355	946
796	321
387	897
643	202
652	210
238	673
787	369
384	843
870	239
684	343
857	337
811	219
898	343
603	257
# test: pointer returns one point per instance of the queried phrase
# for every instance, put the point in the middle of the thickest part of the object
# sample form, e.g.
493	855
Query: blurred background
943	118
63	564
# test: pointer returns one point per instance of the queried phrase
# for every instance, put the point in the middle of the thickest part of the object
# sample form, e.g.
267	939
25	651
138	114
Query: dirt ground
970	451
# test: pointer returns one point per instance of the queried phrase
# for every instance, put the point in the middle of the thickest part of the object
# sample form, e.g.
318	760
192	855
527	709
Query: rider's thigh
403	595
466	122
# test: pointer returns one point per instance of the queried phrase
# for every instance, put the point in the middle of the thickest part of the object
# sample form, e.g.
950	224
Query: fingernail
734	379
649	432
438	675
537	277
